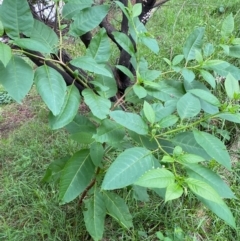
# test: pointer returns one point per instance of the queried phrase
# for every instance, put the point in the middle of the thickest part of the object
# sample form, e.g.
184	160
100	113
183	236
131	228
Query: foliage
160	144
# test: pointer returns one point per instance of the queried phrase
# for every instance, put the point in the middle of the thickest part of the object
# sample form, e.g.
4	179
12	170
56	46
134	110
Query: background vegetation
30	211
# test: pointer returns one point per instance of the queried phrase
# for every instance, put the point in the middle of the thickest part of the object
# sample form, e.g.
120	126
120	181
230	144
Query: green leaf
140	91
51	86
99	106
72	8
151	43
130	121
173	191
209	78
54	170
45	35
230	117
89	64
16	18
109	132
177	59
232	51
96	153
69	109
149	112
167	90
156	178
136	10
227	26
118	209
193	43
231	86
126	71
188	143
162	111
80	123
127	168
95	214
204	174
208	49
99	48
88	19
108	83
190	158
168	121
5	54
214	147
31	44
222	68
16	78
1	29
188	106
188	75
77	174
204	190
206	96
140	193
124	41
220	209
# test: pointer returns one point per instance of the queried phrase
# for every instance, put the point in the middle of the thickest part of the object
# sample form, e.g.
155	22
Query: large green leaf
227	26
222	68
99	106
156	178
74	7
214	147
204	190
230	117
149	112
107	87
206	96
76	175
220	209
204	174
231	86
151	43
81	130
188	106
167	90
54	170
96	153
1	27
193	43
5	54
118	209
45	35
131	121
32	44
51	86
187	141
88	19
124	41
80	123
162	111
127	168
208	77
69	109
94	216
16	78
16	18
99	48
173	191
90	64
110	132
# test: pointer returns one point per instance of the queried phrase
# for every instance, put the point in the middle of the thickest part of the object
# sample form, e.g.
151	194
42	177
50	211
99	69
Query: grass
29	210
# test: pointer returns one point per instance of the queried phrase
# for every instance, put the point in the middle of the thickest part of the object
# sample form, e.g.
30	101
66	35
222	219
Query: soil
13	115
